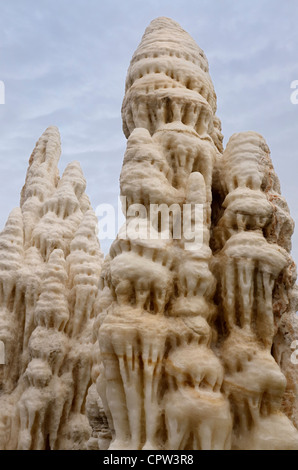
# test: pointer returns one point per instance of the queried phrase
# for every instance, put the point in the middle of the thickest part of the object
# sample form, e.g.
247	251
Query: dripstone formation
162	381
255	271
186	361
181	339
50	262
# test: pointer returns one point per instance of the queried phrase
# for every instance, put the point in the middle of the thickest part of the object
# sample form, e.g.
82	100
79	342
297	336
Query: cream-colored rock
159	380
188	329
50	267
156	331
255	276
285	348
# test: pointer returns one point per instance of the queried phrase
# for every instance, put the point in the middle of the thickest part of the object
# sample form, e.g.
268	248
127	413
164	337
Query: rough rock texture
186	325
50	263
255	276
184	337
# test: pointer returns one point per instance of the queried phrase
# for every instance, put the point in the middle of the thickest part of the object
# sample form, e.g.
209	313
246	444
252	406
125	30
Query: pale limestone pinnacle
157	331
51	265
172	342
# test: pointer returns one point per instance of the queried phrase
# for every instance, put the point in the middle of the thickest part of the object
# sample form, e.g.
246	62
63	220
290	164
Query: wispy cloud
65	63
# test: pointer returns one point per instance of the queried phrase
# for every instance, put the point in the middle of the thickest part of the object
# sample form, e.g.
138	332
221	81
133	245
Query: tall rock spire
11	298
186	330
255	277
194	307
49	273
41	179
167	82
156	334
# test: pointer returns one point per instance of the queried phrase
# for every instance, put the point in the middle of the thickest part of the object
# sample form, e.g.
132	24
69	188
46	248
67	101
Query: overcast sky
64	63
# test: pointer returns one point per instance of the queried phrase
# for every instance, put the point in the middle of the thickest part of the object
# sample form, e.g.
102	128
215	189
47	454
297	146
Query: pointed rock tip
16	213
251	136
163	26
164	21
15	218
165	33
73	167
57	256
74	176
51	132
12	238
246	134
88	224
248	140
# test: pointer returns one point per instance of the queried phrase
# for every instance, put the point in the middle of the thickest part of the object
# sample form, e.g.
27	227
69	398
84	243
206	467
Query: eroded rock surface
49	273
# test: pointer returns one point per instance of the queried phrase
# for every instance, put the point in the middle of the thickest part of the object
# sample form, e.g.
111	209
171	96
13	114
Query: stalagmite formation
184	337
191	302
252	239
161	380
50	267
